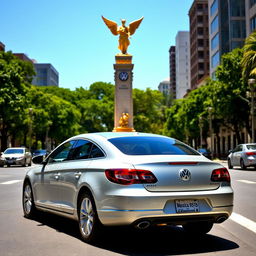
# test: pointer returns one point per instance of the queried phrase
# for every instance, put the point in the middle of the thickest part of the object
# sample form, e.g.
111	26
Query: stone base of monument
123	119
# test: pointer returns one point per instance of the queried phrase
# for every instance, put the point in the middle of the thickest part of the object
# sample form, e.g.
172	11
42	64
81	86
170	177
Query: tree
249	57
15	79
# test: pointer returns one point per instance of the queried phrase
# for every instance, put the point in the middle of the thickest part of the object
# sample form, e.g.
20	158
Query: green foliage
15	79
149	110
249	57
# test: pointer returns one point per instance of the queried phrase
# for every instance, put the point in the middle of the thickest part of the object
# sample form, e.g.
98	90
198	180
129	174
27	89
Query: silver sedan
243	155
138	179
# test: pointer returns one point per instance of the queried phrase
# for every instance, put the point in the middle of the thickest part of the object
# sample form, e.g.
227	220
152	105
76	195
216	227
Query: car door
237	154
48	190
71	173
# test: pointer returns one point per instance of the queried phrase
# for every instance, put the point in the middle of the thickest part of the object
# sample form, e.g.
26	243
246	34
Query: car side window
96	152
81	150
62	153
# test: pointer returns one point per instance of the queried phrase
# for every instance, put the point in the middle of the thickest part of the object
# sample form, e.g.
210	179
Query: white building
250	16
164	87
182	64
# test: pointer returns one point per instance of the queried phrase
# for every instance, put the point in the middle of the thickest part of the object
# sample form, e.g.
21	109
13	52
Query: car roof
111	135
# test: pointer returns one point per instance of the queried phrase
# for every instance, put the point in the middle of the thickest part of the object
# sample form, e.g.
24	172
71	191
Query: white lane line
247	181
241	220
10	182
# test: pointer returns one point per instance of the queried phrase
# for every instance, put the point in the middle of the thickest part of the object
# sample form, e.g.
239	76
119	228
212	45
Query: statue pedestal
123	92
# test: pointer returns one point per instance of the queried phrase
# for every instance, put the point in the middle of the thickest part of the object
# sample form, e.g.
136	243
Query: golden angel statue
124	120
123	32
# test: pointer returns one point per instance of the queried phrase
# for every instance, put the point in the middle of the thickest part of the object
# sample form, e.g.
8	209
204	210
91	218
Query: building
250	15
182	59
164	87
23	57
46	75
227	28
199	42
2	47
172	65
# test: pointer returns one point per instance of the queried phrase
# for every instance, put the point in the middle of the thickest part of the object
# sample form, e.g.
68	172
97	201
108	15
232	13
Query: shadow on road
155	241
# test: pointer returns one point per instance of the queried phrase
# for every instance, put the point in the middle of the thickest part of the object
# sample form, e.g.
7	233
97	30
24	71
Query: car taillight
221	174
130	176
250	153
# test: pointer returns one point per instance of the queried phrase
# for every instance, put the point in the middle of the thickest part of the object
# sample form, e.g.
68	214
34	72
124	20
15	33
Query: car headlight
2	158
20	158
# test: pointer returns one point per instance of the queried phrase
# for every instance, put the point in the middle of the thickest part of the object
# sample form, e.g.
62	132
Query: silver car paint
56	186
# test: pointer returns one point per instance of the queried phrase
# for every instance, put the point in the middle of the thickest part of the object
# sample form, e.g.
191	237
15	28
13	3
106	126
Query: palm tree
249	56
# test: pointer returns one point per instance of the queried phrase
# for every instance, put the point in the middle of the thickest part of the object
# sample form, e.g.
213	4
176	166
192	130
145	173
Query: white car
16	156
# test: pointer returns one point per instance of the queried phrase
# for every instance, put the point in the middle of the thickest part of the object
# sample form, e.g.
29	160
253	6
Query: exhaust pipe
221	219
143	224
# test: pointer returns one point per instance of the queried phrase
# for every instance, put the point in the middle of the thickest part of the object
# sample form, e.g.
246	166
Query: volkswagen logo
123	76
185	174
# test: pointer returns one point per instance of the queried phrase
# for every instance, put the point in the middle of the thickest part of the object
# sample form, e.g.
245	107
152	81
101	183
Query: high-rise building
172	64
46	74
182	64
227	28
250	14
164	87
199	42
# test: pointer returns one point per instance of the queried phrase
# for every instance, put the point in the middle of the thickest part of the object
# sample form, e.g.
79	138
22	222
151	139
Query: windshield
251	147
151	146
14	151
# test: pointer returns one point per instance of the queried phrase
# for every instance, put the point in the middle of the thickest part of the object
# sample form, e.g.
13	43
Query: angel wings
123	32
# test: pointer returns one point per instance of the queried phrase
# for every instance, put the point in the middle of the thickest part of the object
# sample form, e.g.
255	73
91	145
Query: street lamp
201	130
210	109
30	111
251	83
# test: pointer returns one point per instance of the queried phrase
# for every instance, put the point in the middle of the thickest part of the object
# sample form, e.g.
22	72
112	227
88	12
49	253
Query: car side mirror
38	159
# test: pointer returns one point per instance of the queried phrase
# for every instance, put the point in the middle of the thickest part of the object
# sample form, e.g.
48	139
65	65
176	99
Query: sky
73	38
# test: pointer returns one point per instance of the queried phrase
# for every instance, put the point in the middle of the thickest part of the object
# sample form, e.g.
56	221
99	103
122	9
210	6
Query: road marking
247	181
10	182
241	220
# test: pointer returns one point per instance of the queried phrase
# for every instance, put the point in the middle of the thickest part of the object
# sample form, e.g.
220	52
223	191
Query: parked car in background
243	155
205	152
16	156
137	179
39	152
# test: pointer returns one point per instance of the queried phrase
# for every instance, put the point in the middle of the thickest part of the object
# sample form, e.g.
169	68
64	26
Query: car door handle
77	175
57	176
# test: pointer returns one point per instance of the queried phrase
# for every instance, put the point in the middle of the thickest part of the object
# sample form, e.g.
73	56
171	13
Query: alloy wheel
86	217
27	199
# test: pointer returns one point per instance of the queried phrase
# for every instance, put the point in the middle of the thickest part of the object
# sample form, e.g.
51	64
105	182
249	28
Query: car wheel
89	224
30	162
230	166
1	165
198	227
24	165
243	167
29	208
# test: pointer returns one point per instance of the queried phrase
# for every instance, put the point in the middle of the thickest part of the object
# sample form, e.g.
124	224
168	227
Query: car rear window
251	147
151	146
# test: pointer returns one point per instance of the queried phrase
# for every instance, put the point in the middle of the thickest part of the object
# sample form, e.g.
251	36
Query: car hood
12	155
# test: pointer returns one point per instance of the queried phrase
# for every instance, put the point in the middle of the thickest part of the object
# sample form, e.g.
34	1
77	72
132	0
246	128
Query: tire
230	166
24	165
200	228
28	204
30	162
243	167
89	224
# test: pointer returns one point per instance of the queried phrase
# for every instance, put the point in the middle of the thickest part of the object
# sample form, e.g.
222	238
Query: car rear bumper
160	207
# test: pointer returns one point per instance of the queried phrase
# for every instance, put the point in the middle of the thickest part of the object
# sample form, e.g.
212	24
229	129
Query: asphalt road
52	235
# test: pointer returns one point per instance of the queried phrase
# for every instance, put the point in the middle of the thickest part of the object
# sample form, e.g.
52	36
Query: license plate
10	161
184	206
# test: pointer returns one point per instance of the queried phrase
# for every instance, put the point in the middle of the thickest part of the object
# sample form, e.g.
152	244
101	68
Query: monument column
123	119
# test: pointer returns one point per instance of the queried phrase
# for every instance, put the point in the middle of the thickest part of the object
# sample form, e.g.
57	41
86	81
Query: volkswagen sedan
138	179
